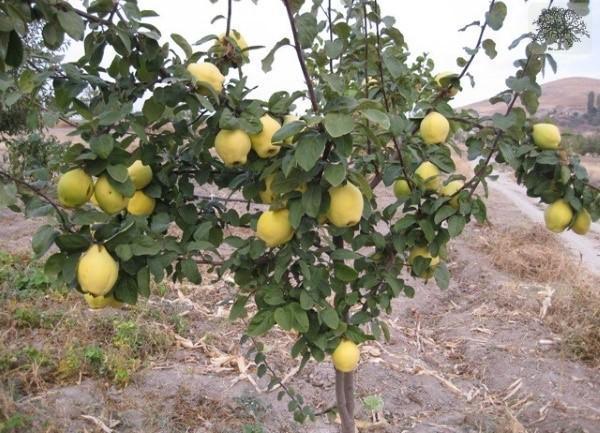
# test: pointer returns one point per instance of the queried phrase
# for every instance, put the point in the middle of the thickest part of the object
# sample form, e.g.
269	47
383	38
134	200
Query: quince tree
170	122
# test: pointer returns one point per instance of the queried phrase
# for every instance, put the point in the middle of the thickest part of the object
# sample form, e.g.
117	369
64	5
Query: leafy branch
64	219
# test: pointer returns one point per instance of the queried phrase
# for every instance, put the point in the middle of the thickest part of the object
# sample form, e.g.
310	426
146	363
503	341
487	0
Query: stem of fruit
64	220
300	54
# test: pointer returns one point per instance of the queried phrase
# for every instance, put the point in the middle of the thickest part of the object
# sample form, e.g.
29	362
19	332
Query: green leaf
288	130
442	276
14	53
308	150
345	273
330	317
490	48
377	116
72	242
335	174
267	62
284	318
71	23
261	323
53	35
124	252
338	124
311	200
153	109
333	49
102	145
238	308
342	254
443	213
495	17
43	239
307	29
143	281
183	44
118	172
189	269
456	224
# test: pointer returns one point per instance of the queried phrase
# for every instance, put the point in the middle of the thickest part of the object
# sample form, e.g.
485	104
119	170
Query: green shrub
34	156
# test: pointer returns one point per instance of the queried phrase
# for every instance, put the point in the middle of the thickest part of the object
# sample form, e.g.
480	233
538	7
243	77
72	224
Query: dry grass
530	254
576	316
534	255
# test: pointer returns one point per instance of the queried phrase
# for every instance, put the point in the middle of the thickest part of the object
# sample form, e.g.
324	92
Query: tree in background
321	258
591	109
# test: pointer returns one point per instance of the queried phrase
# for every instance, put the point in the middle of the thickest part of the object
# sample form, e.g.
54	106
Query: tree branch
229	11
64	220
301	60
477	45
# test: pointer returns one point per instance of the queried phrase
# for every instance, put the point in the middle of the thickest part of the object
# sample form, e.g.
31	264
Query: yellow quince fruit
346	356
274	228
546	136
582	223
140	174
233	146
434	128
429	173
109	199
208	74
346	205
75	187
558	216
141	204
262	142
97	271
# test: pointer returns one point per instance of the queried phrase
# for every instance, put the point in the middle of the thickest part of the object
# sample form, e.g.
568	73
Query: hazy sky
428	26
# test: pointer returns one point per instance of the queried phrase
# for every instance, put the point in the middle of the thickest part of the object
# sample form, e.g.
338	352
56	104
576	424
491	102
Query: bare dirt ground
486	355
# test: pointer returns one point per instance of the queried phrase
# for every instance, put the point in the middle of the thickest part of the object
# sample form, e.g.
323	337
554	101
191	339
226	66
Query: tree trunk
344	391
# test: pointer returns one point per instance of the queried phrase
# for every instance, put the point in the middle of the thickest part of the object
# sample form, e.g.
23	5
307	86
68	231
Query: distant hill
563	100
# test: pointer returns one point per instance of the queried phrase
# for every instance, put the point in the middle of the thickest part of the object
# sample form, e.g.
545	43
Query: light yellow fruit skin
140	174
401	188
233	147
261	142
558	216
109	199
207	73
422	251
546	136
450	189
274	228
99	302
434	128
289	118
430	174
75	188
238	39
453	91
93	200
97	271
582	223
141	204
346	205
345	357
267	195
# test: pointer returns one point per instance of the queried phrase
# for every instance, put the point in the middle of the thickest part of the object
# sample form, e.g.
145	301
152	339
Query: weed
27	318
13	423
252	405
180	324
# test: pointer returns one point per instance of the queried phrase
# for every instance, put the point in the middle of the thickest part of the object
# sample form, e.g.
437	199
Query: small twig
229	11
477	45
311	90
330	33
64	220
